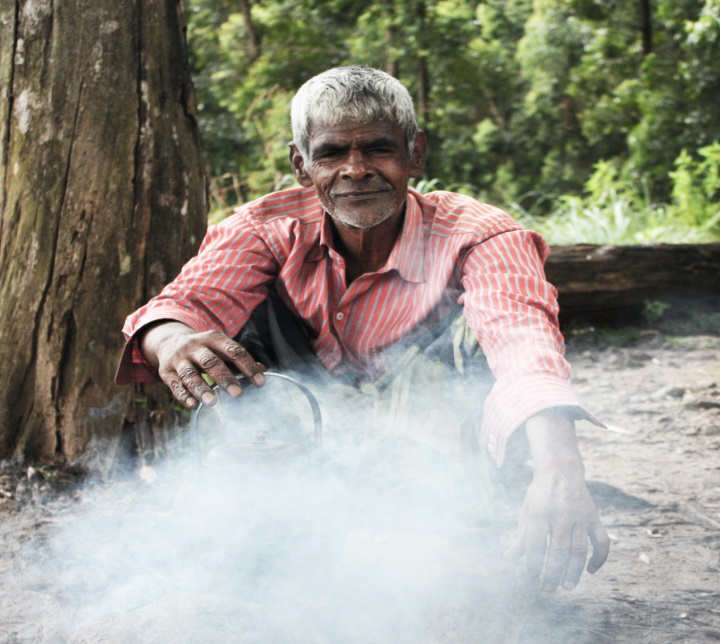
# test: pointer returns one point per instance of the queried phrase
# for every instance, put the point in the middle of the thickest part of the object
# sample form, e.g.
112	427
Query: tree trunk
423	74
103	198
611	284
253	38
646	27
391	63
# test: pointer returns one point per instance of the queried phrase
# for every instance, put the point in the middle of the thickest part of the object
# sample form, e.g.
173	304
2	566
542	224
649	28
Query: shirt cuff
511	403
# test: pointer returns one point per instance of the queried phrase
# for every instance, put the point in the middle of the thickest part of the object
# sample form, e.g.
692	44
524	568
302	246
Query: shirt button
339	316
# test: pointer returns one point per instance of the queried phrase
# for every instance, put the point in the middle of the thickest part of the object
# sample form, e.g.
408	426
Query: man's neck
366	250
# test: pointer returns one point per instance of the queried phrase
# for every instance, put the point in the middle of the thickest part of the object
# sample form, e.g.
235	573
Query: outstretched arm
558	517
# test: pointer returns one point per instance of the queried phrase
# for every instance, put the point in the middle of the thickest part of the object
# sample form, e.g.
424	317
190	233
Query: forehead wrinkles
348	133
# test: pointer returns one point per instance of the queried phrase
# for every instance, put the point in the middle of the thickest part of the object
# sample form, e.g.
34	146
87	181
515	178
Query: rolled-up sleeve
216	290
513	310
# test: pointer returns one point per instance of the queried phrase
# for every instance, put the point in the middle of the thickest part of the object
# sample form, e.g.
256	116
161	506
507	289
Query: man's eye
328	154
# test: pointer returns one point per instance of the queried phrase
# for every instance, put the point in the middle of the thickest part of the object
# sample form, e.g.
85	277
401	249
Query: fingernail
548	588
208	398
234	390
568	585
190	402
258	379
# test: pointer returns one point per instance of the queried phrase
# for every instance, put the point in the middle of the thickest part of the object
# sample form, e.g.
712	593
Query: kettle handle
314	406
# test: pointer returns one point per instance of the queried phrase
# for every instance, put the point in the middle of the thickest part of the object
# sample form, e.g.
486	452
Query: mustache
361	187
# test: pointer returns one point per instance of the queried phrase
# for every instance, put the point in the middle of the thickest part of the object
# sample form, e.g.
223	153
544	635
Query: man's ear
298	165
417	156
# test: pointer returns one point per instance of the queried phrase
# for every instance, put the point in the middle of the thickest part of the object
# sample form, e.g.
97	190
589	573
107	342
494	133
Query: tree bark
646	26
253	37
611	284
102	199
423	74
391	63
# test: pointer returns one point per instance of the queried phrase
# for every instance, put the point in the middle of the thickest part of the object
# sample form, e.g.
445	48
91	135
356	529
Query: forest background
594	121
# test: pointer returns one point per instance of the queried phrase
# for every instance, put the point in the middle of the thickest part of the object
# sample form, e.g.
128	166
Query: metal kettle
268	446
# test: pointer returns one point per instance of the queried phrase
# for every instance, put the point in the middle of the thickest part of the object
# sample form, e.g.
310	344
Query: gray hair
355	94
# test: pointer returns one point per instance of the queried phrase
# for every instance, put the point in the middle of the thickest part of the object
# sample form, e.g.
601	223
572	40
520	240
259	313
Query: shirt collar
407	256
326	234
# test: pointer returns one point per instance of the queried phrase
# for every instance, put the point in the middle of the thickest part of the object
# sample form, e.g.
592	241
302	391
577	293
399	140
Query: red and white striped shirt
452	253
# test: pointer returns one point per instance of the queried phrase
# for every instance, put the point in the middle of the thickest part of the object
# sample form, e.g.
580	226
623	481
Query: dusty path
661	454
655	473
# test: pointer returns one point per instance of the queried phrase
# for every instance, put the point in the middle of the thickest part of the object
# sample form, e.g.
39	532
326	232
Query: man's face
360	171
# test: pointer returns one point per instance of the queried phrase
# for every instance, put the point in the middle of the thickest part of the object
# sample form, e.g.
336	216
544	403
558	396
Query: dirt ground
654	472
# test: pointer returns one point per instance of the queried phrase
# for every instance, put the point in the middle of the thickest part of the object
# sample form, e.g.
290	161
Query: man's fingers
181	394
193	382
601	547
182	357
578	557
214	353
536	545
211	364
242	359
181	391
558	556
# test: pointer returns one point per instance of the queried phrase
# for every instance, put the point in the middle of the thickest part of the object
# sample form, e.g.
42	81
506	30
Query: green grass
618	220
614	210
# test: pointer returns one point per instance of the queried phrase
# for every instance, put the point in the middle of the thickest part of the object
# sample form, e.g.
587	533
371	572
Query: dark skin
361	173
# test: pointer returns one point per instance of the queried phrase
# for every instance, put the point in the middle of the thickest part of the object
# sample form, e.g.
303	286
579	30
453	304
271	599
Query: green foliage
689	321
566	108
246	72
696	187
654	310
614	210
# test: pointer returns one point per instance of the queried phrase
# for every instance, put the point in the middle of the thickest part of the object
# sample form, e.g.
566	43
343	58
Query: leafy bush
616	211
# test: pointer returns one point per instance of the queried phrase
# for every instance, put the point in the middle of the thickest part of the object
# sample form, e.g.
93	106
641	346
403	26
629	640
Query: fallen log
611	285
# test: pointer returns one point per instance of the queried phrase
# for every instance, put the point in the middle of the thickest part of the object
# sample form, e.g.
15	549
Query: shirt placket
343	303
337	311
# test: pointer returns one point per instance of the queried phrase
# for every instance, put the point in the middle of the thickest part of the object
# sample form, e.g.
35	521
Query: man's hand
181	356
558	516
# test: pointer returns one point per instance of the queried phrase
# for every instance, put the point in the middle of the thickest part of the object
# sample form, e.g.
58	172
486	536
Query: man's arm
217	289
513	310
181	356
558	517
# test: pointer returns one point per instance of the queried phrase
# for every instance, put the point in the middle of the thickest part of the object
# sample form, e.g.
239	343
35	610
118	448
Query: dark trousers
275	337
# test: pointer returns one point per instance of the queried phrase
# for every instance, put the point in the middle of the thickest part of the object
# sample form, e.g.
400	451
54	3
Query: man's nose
357	166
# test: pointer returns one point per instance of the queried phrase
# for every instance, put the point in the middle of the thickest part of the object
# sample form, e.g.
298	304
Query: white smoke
374	536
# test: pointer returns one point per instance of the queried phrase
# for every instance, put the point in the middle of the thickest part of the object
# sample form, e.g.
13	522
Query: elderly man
359	262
